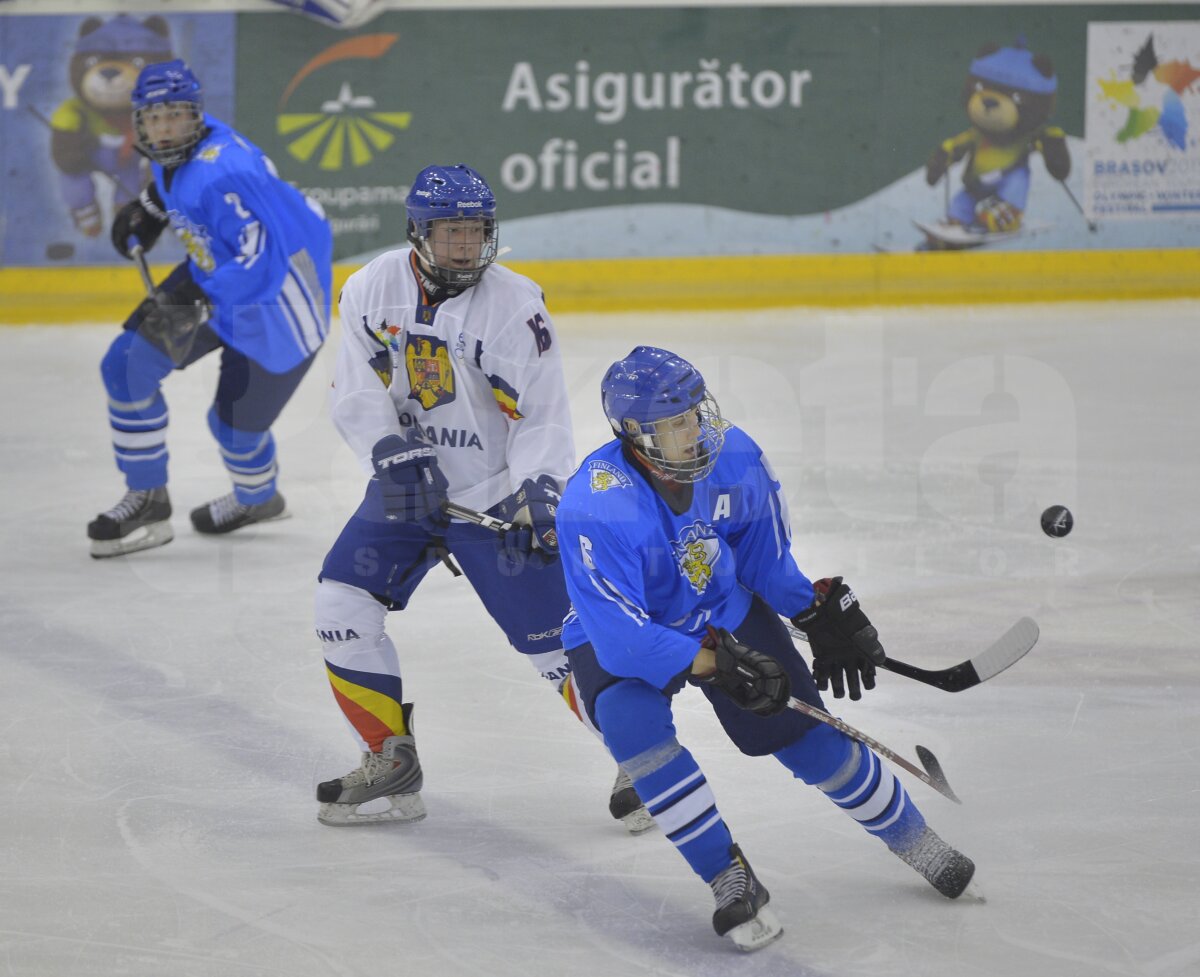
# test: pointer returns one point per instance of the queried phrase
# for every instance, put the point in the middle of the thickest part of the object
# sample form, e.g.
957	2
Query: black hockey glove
531	509
413	485
171	318
845	646
140	221
753	680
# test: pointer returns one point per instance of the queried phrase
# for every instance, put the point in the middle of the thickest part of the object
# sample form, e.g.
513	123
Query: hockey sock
249	457
361	663
137	413
856	780
673	788
555	668
640	735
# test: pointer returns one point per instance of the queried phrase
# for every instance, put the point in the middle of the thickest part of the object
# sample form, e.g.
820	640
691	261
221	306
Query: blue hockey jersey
644	582
259	248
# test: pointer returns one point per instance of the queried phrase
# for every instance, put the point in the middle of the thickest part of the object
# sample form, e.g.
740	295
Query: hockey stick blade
1006	650
936	776
932	775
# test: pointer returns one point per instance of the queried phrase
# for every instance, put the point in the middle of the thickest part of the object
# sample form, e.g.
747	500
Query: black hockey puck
1057	521
60	250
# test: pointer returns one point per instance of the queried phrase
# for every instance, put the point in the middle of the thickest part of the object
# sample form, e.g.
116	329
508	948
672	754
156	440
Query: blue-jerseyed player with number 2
675	544
255	285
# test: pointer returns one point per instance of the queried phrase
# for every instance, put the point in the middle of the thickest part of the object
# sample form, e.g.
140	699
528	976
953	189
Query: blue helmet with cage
658	403
168	112
452	224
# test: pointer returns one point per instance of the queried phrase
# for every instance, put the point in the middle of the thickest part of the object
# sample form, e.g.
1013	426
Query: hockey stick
932	774
137	253
470	515
1006	650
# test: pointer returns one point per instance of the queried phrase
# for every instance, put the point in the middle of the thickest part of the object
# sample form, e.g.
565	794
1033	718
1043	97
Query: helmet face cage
167	132
452	223
168	112
685	446
456	249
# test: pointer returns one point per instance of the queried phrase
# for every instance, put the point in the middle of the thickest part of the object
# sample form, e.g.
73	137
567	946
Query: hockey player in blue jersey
675	544
255	285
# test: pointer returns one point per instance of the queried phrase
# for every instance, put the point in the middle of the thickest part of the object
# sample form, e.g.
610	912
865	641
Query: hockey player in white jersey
676	551
448	386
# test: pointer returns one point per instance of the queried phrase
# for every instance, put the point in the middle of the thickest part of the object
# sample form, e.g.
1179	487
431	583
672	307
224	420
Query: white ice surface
164	717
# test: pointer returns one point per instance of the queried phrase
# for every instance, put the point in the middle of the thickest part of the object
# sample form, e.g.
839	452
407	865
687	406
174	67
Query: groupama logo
348	129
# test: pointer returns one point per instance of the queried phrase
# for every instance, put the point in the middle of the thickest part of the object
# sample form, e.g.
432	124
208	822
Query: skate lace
134	499
929	855
373	767
730	885
226	509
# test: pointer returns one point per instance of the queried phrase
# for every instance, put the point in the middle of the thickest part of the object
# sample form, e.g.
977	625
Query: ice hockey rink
165	716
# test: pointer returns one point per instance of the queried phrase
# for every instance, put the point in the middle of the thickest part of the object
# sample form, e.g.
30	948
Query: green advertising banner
677	131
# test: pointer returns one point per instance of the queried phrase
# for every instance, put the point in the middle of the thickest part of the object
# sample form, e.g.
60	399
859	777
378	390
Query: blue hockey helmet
457	254
168	112
658	403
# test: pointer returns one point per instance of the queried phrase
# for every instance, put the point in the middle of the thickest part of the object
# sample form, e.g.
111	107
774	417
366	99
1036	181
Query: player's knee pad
350	625
634	717
132	369
822	755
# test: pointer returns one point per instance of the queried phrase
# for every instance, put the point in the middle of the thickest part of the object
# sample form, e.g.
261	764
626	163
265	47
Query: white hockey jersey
480	374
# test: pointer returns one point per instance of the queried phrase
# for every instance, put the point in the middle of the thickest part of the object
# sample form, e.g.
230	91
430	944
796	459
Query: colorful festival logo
429	371
1153	95
696	551
348	129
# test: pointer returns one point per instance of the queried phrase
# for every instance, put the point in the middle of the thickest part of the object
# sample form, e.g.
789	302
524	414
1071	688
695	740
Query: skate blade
404	808
144	538
972	893
638	822
286	514
756	933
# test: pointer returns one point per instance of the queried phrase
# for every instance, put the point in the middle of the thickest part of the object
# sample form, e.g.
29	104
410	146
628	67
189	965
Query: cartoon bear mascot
92	131
1009	96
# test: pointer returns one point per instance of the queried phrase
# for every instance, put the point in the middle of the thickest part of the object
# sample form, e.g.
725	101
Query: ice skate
140	521
393	774
742	912
947	870
226	514
625	805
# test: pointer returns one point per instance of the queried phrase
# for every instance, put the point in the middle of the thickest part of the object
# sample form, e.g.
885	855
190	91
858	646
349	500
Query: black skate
140	521
226	514
393	774
742	912
625	805
946	869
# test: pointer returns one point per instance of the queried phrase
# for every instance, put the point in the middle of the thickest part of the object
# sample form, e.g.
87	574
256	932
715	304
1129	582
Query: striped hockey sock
139	437
870	793
673	788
